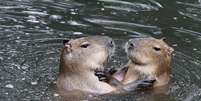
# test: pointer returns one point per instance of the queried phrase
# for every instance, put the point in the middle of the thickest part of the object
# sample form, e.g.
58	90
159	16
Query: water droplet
175	18
37	27
34	83
73	13
1	58
17	41
24	67
77	33
114	13
47	27
55	94
54	82
125	32
27	33
72	10
9	86
175	45
73	22
55	17
195	15
33	21
195	49
61	34
62	22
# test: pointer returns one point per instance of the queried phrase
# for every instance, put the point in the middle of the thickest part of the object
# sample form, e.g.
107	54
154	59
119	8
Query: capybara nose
131	44
111	44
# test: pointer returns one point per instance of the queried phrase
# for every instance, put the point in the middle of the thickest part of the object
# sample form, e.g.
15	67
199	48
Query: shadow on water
31	33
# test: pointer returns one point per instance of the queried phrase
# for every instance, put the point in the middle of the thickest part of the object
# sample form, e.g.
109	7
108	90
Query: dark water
31	32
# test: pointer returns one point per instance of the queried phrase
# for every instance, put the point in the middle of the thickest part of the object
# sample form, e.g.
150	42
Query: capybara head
150	52
86	53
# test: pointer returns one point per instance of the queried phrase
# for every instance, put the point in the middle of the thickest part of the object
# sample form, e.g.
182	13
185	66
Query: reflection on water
31	32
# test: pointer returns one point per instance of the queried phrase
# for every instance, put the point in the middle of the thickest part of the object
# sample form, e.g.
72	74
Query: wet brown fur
146	63
77	65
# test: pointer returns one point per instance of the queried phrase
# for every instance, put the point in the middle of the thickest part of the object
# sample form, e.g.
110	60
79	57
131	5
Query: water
31	34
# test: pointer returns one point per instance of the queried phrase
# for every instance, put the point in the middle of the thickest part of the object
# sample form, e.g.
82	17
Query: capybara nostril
131	45
110	44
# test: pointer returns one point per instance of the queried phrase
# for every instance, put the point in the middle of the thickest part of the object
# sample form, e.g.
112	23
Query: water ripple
113	22
190	10
134	6
31	34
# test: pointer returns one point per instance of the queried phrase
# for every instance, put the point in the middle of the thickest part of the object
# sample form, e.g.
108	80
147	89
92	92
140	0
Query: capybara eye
85	45
156	48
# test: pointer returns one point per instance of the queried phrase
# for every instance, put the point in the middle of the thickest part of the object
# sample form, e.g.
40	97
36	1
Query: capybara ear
170	50
67	46
163	39
65	41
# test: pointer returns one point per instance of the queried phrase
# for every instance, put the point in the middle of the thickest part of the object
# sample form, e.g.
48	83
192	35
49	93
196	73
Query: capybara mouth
135	59
130	48
137	62
99	69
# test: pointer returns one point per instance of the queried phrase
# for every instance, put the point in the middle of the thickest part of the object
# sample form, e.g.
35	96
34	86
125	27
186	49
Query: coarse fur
149	58
79	59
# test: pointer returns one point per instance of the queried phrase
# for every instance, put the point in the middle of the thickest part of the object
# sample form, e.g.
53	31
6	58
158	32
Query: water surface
31	34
